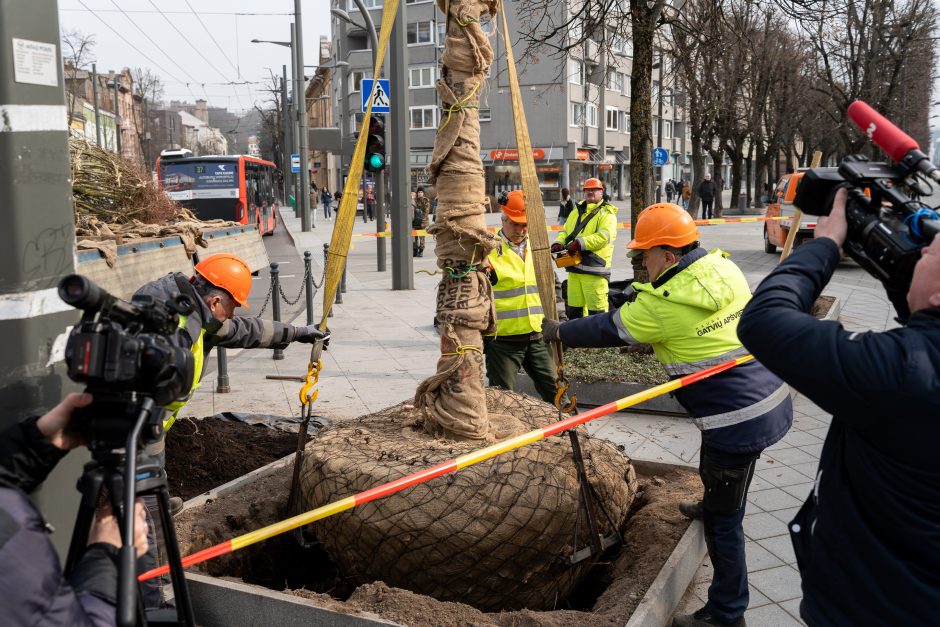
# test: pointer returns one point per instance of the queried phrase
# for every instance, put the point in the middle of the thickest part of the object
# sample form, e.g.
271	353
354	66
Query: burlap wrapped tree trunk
452	399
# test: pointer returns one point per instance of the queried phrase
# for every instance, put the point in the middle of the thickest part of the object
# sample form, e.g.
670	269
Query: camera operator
221	283
32	588
866	539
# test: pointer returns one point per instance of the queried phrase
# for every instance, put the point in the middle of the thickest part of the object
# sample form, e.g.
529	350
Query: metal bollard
276	302
222	383
308	288
342	283
326	262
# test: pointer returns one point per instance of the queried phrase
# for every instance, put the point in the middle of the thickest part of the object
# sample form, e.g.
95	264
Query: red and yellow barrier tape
443	468
620	225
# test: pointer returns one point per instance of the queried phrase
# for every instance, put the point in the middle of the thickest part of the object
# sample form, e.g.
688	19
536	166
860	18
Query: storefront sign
605	166
511	154
583	155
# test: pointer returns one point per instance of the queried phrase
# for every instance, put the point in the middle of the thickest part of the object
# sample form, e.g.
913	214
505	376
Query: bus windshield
192	181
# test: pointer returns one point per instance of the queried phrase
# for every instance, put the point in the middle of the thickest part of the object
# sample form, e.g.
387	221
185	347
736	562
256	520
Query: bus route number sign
295	163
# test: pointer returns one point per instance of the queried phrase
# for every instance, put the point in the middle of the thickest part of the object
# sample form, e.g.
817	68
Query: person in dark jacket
32	588
867	539
565	205
688	313
707	191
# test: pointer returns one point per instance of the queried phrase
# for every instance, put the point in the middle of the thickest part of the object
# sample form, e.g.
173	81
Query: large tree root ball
497	535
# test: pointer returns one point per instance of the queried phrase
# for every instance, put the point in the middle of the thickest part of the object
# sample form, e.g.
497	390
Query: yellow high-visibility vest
516	292
199	359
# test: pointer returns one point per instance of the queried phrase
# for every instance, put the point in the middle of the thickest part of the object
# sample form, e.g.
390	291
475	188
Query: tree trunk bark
641	120
698	169
717	161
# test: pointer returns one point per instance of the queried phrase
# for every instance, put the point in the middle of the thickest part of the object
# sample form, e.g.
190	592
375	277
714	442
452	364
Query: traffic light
375	145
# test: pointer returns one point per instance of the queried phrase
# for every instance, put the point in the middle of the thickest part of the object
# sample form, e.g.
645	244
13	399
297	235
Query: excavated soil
204	454
607	597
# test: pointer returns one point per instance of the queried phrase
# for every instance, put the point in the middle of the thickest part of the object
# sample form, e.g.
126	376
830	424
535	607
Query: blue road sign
381	100
660	156
295	163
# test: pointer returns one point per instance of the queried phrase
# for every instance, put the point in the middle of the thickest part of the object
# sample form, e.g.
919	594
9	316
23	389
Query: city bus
238	188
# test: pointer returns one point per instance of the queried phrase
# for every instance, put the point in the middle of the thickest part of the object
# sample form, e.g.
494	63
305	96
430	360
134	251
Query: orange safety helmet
229	273
513	205
593	183
663	224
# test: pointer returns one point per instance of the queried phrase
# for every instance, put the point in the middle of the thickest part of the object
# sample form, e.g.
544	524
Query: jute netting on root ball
495	535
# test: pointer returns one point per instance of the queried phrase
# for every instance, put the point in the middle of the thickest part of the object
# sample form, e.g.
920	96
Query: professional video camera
887	224
128	355
122	351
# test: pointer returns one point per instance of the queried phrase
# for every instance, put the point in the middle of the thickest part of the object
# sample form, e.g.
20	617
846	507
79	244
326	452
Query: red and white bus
236	187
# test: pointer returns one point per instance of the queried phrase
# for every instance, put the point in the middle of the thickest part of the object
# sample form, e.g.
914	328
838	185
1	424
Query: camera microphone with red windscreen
899	145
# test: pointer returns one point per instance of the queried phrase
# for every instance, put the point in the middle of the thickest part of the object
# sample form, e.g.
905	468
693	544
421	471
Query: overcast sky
207	50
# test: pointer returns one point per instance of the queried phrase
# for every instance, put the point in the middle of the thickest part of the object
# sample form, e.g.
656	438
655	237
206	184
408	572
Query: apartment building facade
577	105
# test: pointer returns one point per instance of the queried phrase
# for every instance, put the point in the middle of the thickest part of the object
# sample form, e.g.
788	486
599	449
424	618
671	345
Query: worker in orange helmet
517	342
589	231
689	313
220	284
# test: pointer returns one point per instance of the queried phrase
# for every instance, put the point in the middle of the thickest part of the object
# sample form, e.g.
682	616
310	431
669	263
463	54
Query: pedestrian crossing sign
381	100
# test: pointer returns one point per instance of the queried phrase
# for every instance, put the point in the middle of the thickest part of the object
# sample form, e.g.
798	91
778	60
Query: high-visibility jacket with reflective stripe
199	359
596	238
690	317
516	292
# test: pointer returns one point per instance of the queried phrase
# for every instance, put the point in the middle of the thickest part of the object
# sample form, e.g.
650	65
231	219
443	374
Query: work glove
550	330
574	247
310	334
557	247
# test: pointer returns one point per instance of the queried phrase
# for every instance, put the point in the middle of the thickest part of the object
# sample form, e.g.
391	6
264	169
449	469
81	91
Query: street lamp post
289	124
304	194
659	129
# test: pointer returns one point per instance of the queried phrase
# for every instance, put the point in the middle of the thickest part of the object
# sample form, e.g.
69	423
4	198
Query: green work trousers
505	357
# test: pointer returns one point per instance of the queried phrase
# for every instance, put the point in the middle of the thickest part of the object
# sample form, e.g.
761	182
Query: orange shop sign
583	154
511	154
605	166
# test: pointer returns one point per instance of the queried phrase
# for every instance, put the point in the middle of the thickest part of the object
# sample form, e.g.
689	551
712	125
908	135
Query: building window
576	30
420	33
575	72
592	115
613	119
614	80
577	114
355	79
656	128
419	77
628	48
423	117
617	44
625	121
441	33
415	1
486	115
667	129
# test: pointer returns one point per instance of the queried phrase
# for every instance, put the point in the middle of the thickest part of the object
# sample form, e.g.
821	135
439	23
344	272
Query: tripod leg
184	607
89	485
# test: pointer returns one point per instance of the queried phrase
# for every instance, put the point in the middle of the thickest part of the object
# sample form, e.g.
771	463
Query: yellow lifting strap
535	210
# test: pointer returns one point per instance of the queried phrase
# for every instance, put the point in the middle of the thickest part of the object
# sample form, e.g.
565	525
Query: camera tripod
124	475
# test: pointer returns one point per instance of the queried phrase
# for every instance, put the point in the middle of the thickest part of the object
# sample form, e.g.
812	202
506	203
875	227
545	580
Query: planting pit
608	596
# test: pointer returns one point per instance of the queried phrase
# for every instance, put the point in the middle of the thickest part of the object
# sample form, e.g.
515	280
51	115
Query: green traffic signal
376	162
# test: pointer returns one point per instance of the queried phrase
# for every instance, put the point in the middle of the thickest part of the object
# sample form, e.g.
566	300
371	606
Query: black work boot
702	618
691	509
